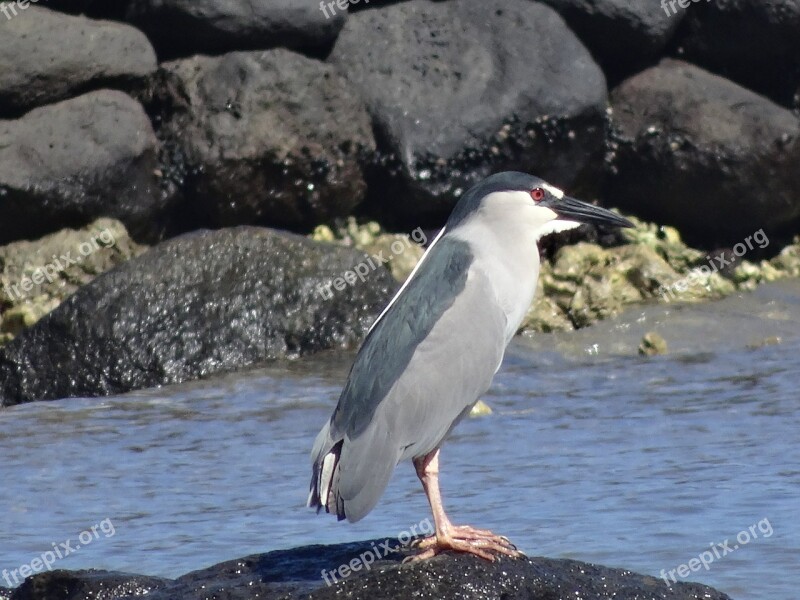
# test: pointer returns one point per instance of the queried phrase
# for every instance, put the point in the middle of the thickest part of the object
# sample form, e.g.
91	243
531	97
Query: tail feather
324	483
368	462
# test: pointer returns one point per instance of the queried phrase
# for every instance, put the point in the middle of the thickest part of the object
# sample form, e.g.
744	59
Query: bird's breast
513	285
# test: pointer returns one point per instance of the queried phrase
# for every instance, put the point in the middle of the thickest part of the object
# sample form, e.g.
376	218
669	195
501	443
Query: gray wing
423	365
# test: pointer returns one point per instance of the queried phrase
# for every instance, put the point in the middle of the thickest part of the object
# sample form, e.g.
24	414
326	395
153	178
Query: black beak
570	209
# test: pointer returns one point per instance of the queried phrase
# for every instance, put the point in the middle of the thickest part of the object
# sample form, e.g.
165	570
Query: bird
434	350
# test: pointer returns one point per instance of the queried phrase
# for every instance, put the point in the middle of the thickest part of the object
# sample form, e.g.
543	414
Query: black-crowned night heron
435	348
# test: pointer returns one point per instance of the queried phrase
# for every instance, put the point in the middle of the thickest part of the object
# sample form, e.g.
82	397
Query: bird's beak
570	209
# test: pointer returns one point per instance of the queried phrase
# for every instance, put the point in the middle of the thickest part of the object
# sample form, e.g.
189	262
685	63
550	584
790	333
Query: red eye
537	194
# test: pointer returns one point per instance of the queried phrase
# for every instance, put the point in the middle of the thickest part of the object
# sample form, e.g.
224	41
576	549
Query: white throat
555	226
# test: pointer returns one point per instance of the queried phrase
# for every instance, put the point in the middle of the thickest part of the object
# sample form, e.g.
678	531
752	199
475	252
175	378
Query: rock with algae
584	282
26	314
787	263
652	344
36	276
397	252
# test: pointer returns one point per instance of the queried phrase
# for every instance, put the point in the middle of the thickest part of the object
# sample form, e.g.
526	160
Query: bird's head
524	200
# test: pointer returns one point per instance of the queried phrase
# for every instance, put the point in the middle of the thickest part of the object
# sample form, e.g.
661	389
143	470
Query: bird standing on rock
435	348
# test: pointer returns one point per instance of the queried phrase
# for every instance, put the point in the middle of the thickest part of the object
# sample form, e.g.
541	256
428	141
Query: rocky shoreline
585	282
215	301
193	188
362	570
181	123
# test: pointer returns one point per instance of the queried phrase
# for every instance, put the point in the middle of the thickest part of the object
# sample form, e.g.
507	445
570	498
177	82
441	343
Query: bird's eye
537	194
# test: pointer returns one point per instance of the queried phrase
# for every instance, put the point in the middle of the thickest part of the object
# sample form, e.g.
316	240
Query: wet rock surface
66	164
69	585
46	56
270	138
703	154
36	276
199	304
454	96
298	573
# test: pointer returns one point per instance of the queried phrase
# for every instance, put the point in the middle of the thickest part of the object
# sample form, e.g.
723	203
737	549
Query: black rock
67	164
623	36
196	305
303	572
753	42
703	154
80	585
181	28
268	138
458	90
46	56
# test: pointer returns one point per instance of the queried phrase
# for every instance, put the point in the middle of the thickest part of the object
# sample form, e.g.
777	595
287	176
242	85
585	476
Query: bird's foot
463	538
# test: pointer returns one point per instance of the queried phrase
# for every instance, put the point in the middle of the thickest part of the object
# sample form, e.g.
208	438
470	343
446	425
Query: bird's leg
447	536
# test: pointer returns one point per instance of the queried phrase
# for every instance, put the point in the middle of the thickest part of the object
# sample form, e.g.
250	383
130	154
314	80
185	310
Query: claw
420	542
480	542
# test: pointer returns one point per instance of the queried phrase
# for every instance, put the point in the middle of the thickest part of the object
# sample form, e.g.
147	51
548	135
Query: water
592	453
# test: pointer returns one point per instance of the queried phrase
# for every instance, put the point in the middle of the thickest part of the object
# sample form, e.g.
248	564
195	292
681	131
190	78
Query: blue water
591	453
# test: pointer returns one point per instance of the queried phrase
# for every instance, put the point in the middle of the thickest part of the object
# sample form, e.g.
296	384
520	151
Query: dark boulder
623	36
66	164
458	90
753	42
180	28
298	573
195	305
268	138
46	56
703	154
81	585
